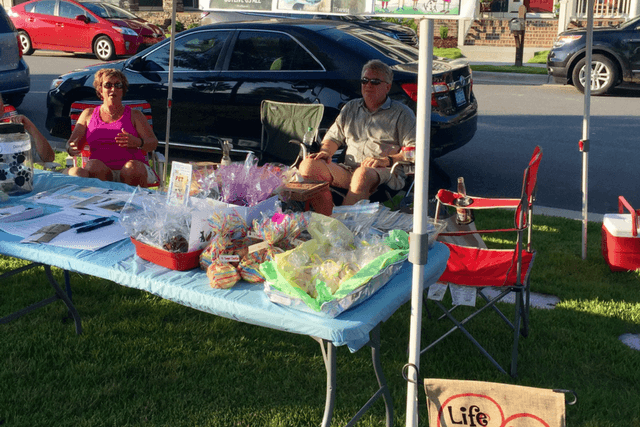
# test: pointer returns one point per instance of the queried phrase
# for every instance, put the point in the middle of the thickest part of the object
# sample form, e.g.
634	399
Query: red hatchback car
86	26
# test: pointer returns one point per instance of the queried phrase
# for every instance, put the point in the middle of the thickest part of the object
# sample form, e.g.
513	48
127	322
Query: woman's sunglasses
374	82
109	85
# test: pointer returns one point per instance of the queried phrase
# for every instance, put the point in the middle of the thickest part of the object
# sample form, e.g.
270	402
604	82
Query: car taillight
438	89
19	46
411	89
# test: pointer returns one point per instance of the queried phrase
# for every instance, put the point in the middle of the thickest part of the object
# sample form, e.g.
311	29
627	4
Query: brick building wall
538	32
609	22
163	19
450	24
496	32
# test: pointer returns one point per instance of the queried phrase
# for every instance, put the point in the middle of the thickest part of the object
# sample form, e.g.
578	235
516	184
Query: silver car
15	80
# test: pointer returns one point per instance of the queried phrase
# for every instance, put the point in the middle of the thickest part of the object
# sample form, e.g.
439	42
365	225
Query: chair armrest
158	157
305	148
401	163
449	198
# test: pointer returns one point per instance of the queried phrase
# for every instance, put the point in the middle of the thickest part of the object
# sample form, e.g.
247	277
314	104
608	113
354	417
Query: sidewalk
492	55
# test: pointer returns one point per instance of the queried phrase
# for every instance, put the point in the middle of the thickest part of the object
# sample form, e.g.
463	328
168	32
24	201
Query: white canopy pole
172	46
584	143
418	251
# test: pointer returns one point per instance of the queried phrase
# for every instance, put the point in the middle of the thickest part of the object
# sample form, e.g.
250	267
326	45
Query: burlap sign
455	403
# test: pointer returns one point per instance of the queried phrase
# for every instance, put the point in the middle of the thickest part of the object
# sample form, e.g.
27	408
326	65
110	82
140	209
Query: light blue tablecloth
244	302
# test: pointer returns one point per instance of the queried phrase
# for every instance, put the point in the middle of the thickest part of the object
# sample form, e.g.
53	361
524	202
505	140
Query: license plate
460	98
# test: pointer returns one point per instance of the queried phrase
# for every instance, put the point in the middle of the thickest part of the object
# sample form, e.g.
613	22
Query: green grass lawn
144	361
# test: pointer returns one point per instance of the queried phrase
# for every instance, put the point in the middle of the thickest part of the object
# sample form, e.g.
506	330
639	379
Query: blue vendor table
355	328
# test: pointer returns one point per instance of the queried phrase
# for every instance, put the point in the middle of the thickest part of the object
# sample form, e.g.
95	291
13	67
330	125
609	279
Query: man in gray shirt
372	130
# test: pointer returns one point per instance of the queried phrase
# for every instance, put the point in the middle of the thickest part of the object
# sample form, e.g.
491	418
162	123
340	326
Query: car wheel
25	43
103	49
604	75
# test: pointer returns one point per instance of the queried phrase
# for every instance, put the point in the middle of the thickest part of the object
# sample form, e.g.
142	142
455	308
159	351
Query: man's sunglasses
109	85
374	82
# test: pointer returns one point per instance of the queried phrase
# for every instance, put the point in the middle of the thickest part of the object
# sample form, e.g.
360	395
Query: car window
70	10
196	51
45	7
6	26
105	10
270	51
98	9
351	38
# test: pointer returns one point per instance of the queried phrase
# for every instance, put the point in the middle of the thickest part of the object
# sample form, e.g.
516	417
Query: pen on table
95	225
91	222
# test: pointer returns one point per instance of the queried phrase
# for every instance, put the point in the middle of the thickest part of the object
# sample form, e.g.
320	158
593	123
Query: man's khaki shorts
395	182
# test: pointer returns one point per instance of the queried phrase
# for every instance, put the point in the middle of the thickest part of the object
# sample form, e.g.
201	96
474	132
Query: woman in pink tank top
118	137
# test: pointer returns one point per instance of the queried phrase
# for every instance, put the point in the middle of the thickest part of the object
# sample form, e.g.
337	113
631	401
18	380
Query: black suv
395	31
616	57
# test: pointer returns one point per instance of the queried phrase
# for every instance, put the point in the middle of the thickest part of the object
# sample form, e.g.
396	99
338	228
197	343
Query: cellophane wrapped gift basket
335	269
174	235
170	236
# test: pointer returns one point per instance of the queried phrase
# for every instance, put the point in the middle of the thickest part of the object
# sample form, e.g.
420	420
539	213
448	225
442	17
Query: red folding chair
506	270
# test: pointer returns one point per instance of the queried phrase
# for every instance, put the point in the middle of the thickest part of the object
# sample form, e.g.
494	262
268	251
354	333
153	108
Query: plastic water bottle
226	153
463	216
308	137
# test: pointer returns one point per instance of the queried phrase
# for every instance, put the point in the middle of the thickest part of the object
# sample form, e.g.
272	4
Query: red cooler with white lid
620	240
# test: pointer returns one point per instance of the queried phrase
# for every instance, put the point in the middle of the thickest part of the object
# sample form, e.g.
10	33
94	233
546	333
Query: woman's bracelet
390	161
141	143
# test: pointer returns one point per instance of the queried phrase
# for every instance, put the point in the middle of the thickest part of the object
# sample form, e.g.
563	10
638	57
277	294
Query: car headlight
125	31
562	40
55	83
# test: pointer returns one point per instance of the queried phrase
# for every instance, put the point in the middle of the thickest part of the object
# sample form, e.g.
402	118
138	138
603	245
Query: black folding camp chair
285	123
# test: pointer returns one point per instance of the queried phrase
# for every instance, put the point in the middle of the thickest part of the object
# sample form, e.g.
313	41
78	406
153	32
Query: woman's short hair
379	66
105	74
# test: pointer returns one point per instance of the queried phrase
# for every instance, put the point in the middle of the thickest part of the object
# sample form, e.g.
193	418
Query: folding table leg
66	298
329	356
59	294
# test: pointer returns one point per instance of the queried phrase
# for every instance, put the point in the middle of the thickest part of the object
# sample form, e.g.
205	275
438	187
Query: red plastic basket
174	261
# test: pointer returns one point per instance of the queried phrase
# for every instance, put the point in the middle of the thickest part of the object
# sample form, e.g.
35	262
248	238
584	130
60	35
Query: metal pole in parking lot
172	45
419	238
584	142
